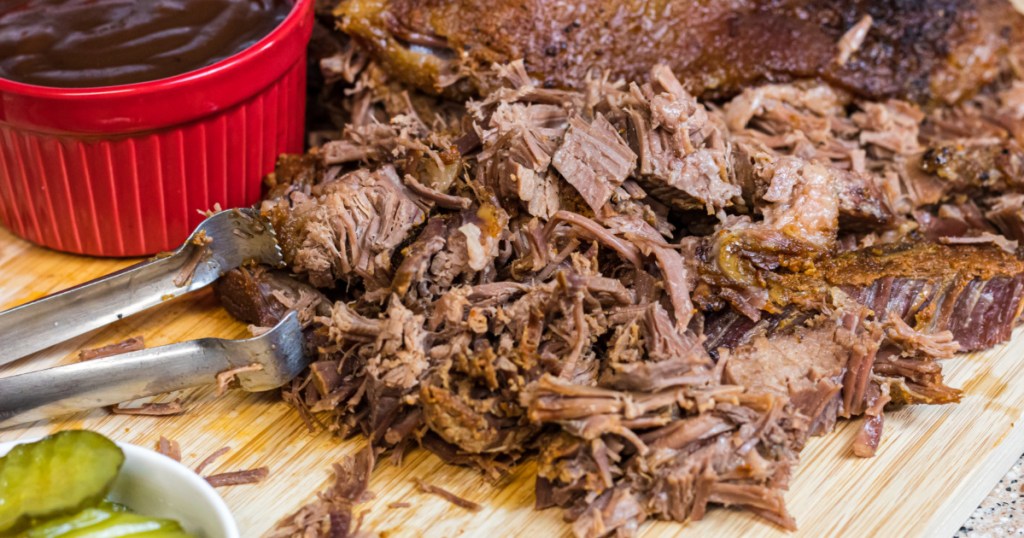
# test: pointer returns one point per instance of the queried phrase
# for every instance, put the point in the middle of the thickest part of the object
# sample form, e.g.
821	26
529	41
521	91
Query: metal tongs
222	242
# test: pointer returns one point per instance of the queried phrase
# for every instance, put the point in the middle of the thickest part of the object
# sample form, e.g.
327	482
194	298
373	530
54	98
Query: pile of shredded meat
657	298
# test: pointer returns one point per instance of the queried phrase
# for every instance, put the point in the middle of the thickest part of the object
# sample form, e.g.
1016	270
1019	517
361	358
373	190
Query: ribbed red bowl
126	170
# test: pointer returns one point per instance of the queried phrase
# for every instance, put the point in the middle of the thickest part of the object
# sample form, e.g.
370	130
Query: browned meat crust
997	167
936	50
263	297
974	291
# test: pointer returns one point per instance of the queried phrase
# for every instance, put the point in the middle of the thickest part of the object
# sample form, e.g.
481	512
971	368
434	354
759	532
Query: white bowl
154	485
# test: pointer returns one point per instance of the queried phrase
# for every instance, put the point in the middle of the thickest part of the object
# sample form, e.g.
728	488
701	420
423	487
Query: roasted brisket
937	50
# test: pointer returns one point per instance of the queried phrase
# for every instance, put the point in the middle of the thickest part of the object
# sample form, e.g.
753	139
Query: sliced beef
972	288
777	361
974	291
979	313
772	356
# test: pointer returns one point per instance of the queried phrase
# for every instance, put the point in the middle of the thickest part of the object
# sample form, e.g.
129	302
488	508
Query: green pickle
57	475
106	523
56	487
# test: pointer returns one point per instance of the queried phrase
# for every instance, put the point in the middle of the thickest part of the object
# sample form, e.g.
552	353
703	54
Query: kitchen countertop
1002	512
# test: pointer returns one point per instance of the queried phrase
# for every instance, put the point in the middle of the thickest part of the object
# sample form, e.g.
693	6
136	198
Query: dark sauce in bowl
94	43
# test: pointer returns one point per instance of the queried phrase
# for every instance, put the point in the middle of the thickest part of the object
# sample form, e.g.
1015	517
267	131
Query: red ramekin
126	170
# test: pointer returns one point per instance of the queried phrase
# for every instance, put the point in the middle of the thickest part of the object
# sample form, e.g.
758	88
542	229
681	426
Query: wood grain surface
934	466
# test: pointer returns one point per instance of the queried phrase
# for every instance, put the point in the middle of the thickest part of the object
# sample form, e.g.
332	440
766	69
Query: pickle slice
62	526
57	475
106	523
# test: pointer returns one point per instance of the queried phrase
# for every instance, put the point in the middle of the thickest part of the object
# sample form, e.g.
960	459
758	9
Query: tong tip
238	236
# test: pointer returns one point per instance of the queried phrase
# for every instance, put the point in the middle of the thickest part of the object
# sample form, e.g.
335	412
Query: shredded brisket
169	448
150	409
134	343
211	458
238	478
448	496
657	298
330	515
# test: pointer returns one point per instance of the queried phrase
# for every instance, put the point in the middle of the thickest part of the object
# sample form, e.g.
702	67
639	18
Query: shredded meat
172	450
150	409
656	297
199	250
681	146
1007	214
134	343
211	458
225	378
238	478
594	159
852	40
330	515
263	297
448	496
169	448
346	227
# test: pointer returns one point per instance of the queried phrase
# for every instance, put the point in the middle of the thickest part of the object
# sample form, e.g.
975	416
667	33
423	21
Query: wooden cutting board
934	466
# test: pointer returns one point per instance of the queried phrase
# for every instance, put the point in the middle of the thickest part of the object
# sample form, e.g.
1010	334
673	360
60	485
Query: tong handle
75	311
222	242
87	385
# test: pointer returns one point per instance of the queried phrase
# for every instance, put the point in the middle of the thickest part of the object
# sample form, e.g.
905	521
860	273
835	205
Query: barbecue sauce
94	43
